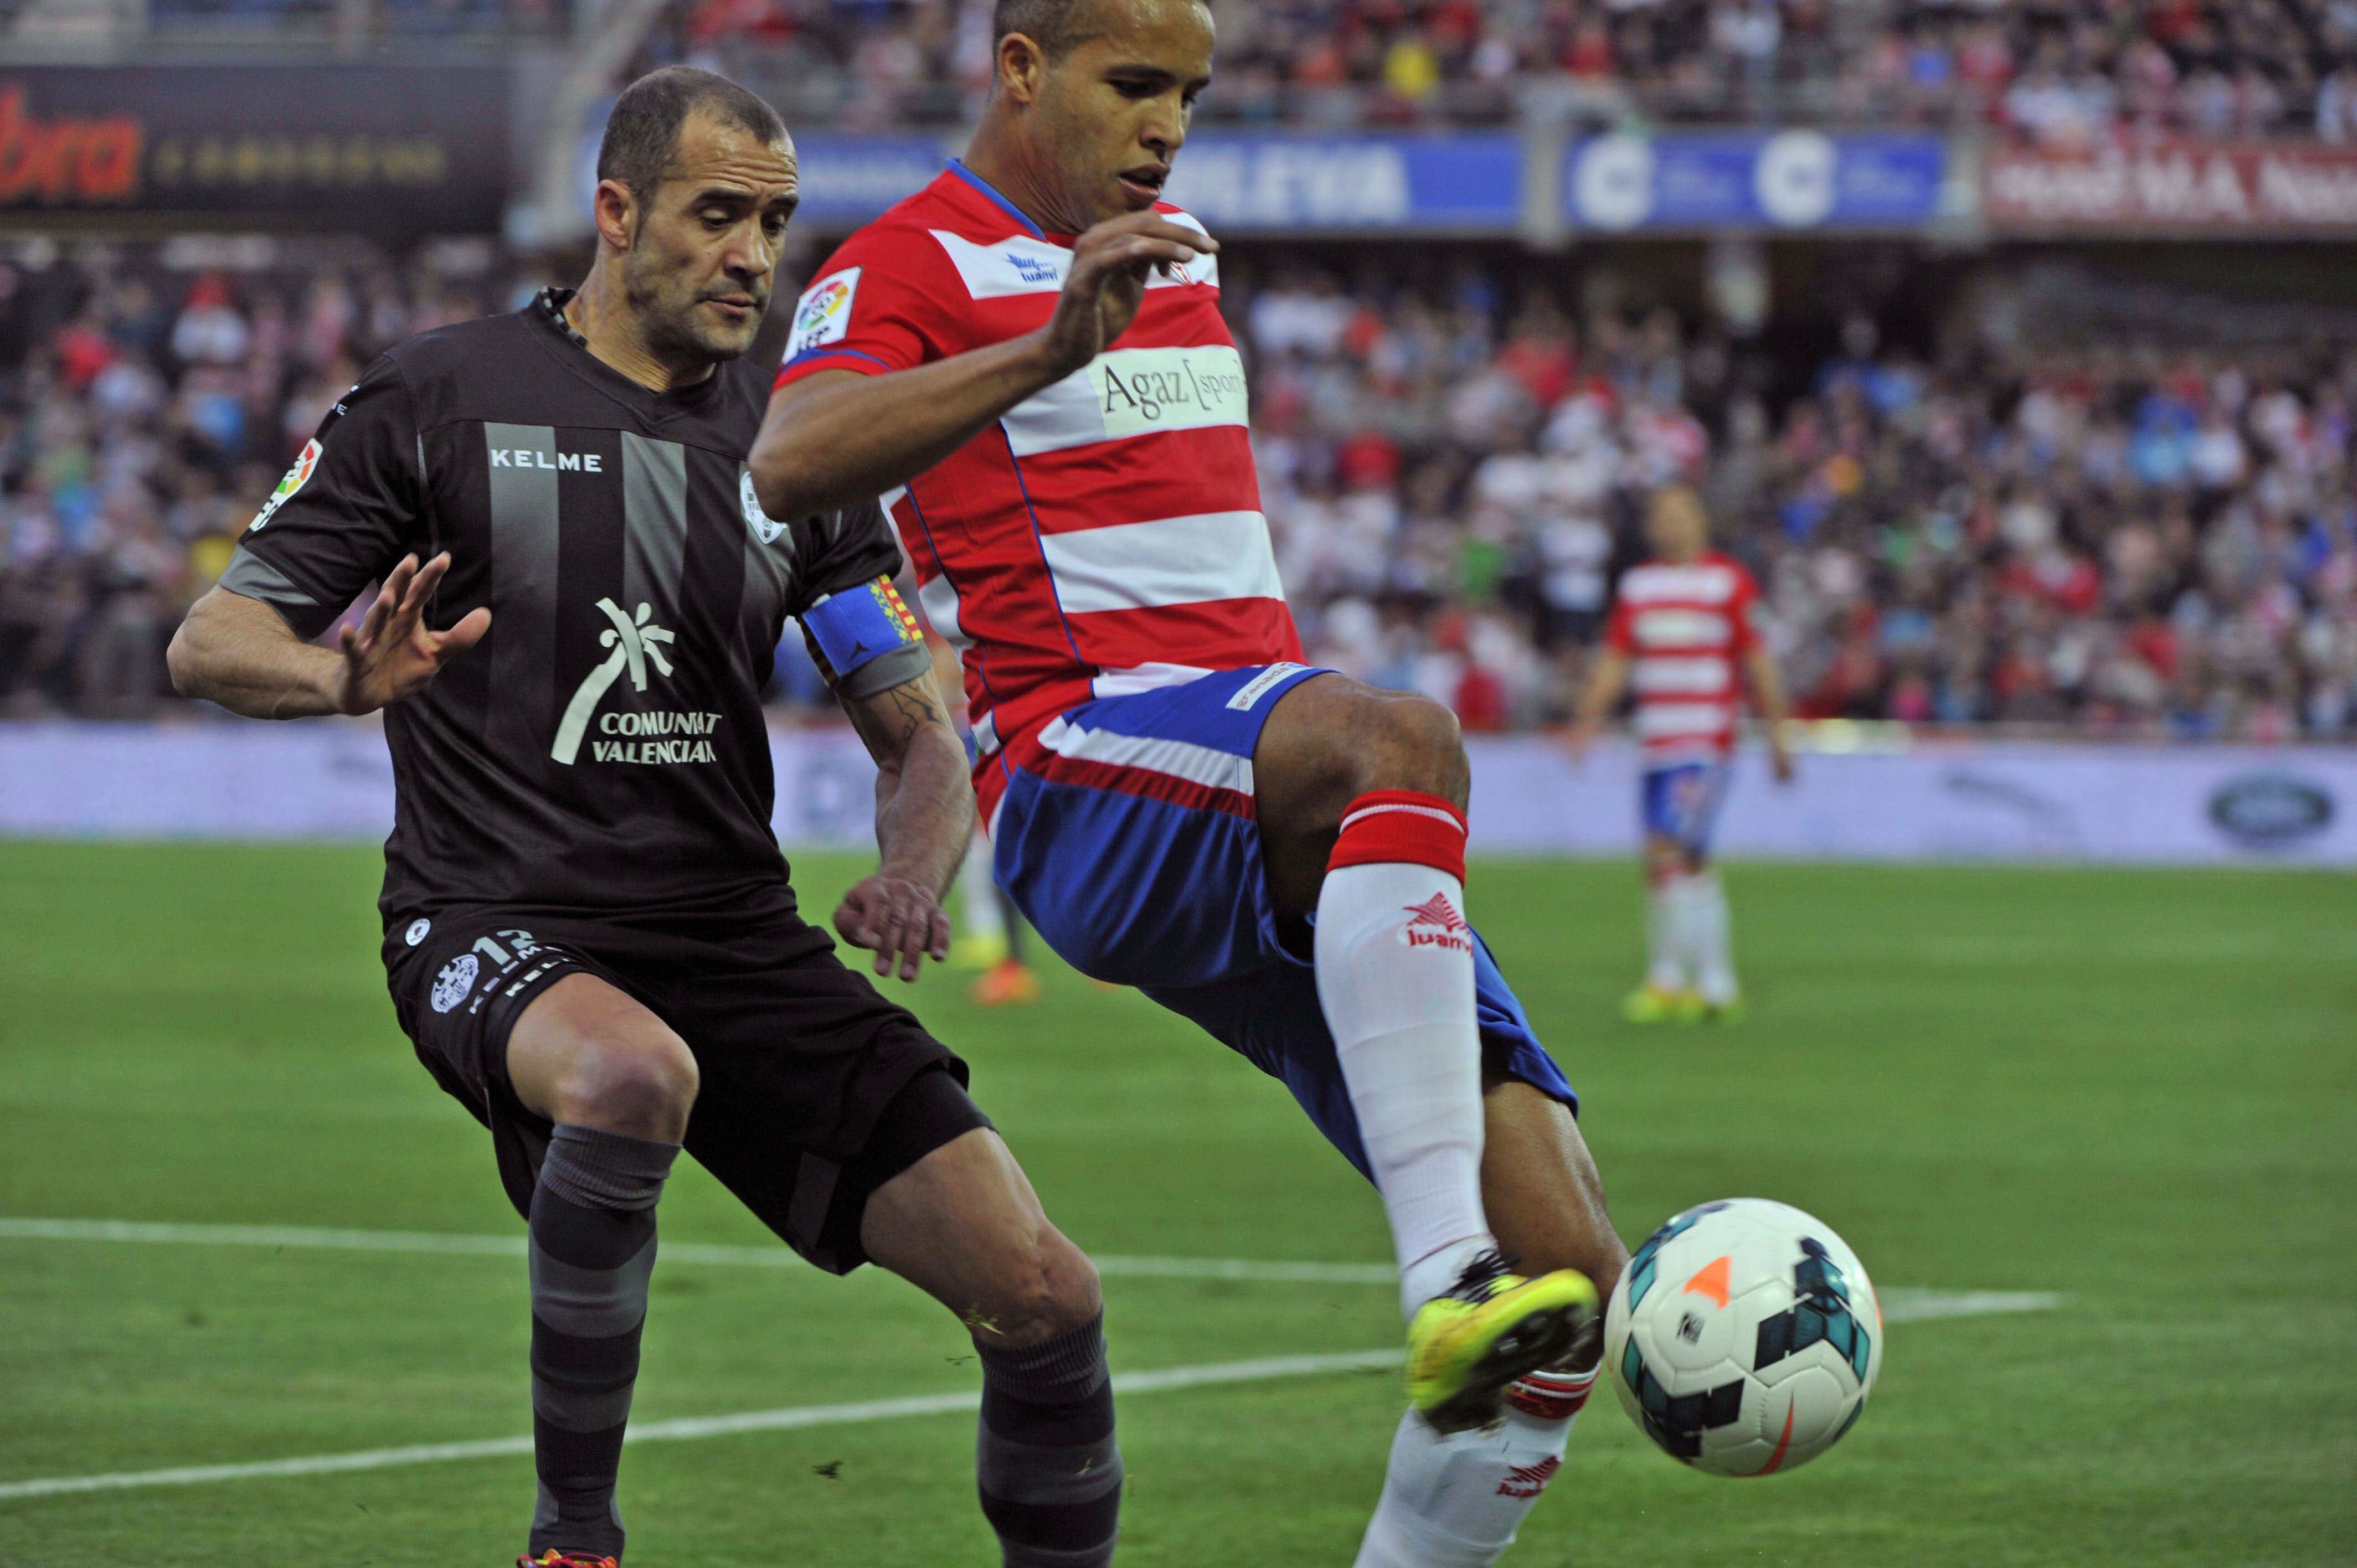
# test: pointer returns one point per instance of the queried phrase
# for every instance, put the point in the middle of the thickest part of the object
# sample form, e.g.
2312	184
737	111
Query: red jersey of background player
1106	535
1684	630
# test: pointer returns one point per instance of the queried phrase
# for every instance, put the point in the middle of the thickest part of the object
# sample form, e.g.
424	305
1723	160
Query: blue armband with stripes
859	626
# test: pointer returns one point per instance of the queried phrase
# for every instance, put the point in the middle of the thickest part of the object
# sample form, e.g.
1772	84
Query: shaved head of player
695	185
589	933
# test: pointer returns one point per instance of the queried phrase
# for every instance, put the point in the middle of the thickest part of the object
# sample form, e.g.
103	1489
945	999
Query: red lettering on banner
66	160
2174	185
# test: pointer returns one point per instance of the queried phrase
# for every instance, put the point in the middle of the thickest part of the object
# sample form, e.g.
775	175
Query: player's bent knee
1411	743
644	1088
1051	1289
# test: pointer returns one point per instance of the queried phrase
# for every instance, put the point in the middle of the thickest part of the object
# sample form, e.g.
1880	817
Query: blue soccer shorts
1680	803
1128	837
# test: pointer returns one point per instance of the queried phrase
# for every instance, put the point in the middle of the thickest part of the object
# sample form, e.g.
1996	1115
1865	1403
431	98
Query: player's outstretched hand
898	921
1107	280
392	653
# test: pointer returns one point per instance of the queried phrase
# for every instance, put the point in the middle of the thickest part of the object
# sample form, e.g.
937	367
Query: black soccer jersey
602	748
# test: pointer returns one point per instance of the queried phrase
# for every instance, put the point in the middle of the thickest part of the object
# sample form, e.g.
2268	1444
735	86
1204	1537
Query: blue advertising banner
1794	179
1236	182
848	179
1272	182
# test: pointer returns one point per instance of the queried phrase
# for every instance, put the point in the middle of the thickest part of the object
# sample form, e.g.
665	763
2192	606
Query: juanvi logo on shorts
638	737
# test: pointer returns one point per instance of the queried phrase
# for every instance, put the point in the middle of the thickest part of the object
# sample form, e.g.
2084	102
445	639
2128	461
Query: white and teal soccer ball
1744	1337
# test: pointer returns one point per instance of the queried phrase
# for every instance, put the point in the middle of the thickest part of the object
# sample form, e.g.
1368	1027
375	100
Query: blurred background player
1028	360
1684	637
990	937
990	927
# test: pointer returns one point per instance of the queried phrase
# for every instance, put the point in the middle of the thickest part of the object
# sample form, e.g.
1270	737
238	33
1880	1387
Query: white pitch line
789	1419
308	1238
1898	1305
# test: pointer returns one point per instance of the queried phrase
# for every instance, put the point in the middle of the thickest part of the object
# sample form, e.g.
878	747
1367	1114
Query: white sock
1663	969
978	896
1456	1501
1683	893
1395	979
1714	957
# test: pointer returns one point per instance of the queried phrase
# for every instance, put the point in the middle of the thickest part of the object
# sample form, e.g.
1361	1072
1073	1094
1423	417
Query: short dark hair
1058	26
643	133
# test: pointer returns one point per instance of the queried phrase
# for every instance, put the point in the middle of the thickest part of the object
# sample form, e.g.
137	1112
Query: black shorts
816	1090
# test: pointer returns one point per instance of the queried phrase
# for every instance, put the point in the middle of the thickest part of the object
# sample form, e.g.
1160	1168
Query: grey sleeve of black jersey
250	575
884	671
345	513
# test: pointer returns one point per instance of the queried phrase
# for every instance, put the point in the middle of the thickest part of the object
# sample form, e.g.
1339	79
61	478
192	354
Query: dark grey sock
592	1247
1047	1466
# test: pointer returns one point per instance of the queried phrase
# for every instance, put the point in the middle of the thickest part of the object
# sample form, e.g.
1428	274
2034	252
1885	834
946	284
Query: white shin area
1714	955
1665	964
978	910
1394	962
1456	1501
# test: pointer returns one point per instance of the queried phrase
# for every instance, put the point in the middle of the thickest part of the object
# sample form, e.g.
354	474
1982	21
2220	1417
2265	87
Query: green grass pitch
2138	1089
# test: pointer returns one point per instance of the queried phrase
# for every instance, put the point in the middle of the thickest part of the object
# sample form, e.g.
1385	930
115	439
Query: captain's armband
867	639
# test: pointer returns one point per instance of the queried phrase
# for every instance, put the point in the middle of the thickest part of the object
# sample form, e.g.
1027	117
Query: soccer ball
1743	1338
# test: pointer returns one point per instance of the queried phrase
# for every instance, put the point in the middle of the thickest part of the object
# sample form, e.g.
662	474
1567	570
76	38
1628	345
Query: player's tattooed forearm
890	722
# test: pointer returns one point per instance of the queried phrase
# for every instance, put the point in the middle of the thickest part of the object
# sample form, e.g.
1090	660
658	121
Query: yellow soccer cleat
1466	1348
555	1559
1650	1004
978	953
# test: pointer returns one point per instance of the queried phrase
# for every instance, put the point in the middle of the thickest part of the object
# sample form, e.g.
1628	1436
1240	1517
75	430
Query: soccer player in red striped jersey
1027	360
1685	637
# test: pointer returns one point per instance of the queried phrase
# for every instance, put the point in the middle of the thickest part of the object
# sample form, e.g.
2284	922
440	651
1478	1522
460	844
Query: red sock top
1393	826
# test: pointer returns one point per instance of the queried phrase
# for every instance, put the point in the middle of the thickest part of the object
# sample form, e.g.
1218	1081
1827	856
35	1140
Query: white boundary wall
2185	805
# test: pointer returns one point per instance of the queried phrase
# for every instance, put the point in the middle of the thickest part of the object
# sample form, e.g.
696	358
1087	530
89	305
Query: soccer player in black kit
589	934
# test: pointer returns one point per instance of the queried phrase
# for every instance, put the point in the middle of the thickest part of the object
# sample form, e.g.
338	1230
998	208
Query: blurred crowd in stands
2117	540
144	415
2066	72
2125	540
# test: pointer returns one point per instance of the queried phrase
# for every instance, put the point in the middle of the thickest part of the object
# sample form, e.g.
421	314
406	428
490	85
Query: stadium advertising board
1791	179
350	146
846	180
2173	186
1994	801
1276	183
2064	802
1469	183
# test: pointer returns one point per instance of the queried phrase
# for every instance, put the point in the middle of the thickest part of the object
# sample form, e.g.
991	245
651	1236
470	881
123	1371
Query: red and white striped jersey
1104	536
1683	629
